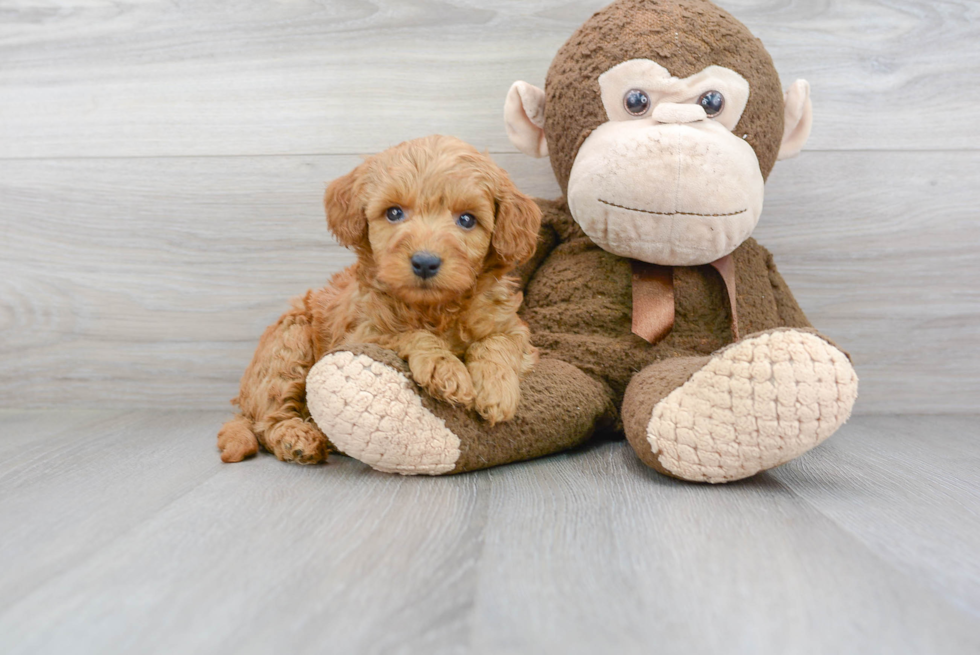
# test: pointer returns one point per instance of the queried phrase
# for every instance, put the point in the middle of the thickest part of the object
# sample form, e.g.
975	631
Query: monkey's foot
749	407
373	413
365	401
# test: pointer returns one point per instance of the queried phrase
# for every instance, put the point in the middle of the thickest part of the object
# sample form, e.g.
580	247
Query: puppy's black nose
425	264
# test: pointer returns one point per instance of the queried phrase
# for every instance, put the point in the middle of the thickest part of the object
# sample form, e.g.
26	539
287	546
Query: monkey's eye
395	214
466	221
636	102
712	102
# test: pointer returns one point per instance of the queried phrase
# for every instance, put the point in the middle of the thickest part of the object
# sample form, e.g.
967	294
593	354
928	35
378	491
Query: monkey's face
664	180
665	169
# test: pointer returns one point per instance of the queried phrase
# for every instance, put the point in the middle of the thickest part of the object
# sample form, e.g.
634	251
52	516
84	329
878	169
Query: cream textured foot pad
757	404
373	413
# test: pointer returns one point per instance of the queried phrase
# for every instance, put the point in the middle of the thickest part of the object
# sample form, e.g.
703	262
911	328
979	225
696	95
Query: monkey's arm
547	240
765	301
557	226
789	310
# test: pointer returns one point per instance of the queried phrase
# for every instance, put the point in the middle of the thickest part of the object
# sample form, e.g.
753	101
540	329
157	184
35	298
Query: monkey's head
663	119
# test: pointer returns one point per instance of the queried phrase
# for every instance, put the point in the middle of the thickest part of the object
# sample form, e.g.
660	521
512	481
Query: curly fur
458	331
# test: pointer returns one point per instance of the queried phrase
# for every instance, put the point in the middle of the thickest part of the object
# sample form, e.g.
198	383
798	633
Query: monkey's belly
579	306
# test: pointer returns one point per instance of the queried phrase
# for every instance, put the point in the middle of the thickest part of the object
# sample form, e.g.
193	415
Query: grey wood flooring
121	532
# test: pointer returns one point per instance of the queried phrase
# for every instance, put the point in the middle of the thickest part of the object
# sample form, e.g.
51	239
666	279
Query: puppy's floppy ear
515	232
345	215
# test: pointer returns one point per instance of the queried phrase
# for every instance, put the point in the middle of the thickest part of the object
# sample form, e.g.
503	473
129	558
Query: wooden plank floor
121	532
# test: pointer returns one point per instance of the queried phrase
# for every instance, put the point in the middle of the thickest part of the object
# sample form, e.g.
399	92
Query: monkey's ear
345	216
524	119
516	225
797	119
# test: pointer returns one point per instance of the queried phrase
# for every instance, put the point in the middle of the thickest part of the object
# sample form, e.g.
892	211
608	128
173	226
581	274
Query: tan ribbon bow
653	297
653	300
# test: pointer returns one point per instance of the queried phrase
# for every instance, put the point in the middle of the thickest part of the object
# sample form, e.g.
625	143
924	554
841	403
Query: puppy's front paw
498	391
444	377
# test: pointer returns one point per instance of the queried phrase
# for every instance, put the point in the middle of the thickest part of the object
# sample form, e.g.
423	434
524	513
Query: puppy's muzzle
425	264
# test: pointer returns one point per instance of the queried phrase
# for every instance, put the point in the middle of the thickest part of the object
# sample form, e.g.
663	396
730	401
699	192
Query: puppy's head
428	217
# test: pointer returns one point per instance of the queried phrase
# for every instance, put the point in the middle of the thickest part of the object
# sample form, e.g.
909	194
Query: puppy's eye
466	221
712	102
395	215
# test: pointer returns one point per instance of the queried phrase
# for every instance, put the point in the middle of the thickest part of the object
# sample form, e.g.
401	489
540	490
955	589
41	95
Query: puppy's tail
236	440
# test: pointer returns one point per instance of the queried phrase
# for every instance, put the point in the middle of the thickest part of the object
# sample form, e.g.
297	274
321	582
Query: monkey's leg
363	397
749	407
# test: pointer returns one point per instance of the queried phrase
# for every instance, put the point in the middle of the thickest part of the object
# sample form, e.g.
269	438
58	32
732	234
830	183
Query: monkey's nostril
425	264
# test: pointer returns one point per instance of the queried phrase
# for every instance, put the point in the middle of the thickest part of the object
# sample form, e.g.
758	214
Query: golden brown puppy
436	227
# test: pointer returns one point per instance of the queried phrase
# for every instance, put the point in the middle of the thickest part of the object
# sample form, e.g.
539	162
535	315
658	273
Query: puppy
436	227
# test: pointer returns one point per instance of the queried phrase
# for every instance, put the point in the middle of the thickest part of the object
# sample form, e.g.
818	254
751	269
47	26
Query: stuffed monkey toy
657	316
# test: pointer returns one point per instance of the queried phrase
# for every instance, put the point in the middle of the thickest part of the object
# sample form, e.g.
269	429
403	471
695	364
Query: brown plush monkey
656	313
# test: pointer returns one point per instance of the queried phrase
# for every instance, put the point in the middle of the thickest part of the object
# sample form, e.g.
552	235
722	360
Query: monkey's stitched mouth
647	211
